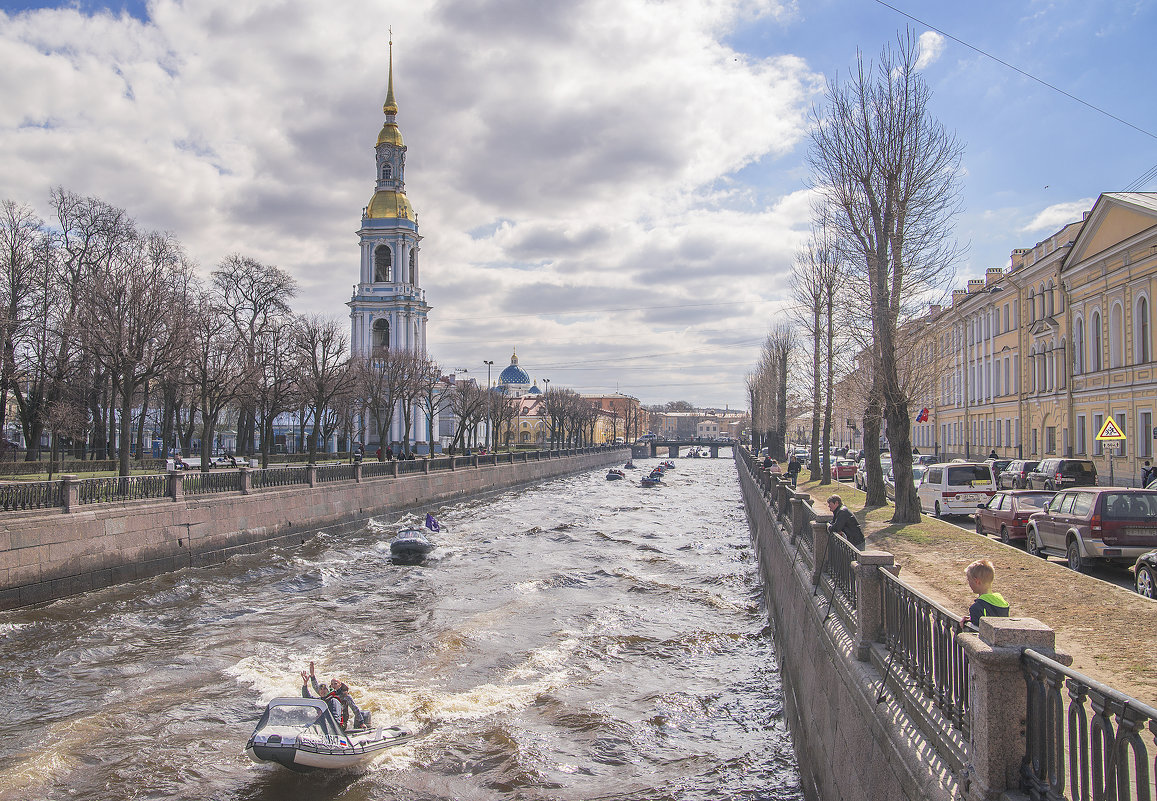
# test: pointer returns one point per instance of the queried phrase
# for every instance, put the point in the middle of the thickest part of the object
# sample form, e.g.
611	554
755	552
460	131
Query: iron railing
922	638
409	466
279	477
841	555
204	483
122	488
377	469
1101	748
31	495
337	472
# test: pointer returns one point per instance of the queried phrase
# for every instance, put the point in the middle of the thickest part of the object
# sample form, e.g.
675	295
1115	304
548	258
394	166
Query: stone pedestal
70	493
869	600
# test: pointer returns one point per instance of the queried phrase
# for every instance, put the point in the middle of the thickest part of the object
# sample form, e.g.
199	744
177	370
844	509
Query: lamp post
489	399
546	406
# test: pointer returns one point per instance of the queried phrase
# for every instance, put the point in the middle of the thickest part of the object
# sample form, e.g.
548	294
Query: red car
1006	513
843	469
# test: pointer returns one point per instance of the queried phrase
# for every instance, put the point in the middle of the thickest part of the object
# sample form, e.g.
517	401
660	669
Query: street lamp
489	399
546	404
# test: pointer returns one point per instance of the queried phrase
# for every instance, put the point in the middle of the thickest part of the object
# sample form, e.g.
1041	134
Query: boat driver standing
337	695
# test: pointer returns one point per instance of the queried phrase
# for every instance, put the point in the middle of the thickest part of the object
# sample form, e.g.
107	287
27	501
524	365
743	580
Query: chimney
1018	257
975	285
935	309
958	295
992	275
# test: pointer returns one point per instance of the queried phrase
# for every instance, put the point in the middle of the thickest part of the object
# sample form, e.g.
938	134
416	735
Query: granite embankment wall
49	554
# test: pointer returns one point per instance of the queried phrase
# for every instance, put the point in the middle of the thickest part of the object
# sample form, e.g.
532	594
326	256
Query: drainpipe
1065	351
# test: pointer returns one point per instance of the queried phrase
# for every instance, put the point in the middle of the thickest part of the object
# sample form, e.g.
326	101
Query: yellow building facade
1032	361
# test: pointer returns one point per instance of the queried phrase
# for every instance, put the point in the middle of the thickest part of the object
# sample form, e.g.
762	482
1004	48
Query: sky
615	189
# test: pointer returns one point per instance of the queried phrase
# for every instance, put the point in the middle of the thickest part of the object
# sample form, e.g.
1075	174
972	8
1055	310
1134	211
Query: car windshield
966	475
1077	469
1129	506
1037	500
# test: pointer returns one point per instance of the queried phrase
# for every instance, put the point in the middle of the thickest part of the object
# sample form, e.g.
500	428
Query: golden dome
390	135
388	204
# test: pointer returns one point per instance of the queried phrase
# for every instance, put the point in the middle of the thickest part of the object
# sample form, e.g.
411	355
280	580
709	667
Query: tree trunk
874	479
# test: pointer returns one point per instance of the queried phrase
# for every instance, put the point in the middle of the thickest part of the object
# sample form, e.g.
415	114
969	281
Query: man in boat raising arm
337	695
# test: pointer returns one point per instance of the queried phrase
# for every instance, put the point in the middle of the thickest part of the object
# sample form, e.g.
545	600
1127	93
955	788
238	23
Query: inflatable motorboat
410	545
614	474
301	734
649	481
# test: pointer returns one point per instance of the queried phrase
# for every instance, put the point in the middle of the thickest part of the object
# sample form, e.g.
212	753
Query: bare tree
254	297
378	378
468	404
277	390
22	237
889	173
217	354
433	396
324	371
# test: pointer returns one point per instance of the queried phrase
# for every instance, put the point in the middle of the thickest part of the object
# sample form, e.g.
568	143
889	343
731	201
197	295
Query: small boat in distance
615	474
650	481
630	465
302	734
410	545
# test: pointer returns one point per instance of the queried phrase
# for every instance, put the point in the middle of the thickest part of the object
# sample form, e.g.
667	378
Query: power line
1028	75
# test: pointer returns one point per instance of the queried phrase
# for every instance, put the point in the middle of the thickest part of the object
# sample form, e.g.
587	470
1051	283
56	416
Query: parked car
1006	514
1055	474
1145	574
1015	475
924	459
998	465
1087	525
918	471
861	479
956	488
843	469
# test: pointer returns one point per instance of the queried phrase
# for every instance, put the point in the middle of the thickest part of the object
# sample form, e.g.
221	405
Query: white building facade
388	310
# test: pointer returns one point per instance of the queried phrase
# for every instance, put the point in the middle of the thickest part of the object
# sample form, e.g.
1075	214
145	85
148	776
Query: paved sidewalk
1110	632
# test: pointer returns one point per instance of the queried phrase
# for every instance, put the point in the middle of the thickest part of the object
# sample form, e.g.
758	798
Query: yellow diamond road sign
1111	431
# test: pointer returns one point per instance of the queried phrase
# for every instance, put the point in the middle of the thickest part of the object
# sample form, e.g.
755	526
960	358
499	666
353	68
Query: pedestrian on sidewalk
794	465
1146	474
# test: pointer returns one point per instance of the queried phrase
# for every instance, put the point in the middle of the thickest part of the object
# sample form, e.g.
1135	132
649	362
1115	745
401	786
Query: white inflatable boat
301	734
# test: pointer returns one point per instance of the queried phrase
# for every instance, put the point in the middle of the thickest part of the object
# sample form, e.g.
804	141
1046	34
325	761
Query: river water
578	639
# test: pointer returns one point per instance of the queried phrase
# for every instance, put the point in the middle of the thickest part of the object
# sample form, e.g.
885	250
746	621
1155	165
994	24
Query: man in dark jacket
337	695
793	468
844	522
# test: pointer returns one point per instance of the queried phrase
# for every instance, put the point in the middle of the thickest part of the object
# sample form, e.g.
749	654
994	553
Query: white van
956	488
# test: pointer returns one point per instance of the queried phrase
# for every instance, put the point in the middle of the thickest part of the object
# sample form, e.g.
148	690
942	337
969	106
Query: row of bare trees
886	176
107	327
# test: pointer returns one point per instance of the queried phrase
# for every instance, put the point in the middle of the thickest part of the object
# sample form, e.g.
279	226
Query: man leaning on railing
844	522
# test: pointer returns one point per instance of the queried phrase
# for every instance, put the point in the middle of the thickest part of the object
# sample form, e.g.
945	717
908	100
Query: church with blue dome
514	381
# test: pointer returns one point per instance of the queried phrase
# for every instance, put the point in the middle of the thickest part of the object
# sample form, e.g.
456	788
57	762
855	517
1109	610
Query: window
1051	439
381	334
1051	295
1006	317
1078	346
413	265
1144	434
1031	306
1033	441
1007	384
1008	432
1098	421
1081	435
1120	418
387	171
1141	331
1095	340
383	265
1116	336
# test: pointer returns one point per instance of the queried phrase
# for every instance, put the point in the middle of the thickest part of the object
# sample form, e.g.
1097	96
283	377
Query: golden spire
391	106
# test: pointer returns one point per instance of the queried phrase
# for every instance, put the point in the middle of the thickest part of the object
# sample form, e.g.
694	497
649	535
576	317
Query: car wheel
1032	545
936	510
1004	534
979	527
1074	558
1049	487
1146	581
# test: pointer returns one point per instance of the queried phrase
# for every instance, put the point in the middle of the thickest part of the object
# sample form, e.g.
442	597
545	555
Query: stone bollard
394	468
311	475
997	697
801	514
246	480
176	485
69	493
426	465
358	472
819	550
869	598
784	494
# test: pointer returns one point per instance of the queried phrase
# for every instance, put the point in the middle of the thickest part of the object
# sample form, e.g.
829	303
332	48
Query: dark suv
1057	474
1090	524
1015	476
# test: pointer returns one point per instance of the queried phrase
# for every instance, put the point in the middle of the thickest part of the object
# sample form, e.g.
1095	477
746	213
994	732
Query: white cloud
561	156
1058	215
931	47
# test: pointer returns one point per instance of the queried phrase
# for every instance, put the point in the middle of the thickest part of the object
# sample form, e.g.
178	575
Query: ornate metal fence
377	469
337	472
279	477
1100	748
838	569
410	466
30	495
122	488
922	639
205	483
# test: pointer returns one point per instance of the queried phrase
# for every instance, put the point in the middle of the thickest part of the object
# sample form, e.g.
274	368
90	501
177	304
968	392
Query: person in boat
337	695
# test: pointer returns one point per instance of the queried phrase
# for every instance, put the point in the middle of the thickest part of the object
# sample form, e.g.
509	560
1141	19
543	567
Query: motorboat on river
615	474
410	545
302	734
629	465
649	481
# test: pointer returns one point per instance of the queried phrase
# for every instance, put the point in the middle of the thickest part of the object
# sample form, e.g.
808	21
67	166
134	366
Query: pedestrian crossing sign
1111	431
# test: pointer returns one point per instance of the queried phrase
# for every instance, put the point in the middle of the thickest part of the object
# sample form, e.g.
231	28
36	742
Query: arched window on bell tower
383	265
387	171
381	341
413	265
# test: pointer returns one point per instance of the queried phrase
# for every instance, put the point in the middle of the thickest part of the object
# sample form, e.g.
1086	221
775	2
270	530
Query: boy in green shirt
980	575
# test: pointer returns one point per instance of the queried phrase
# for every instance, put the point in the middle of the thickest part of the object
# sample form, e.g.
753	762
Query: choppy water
580	639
